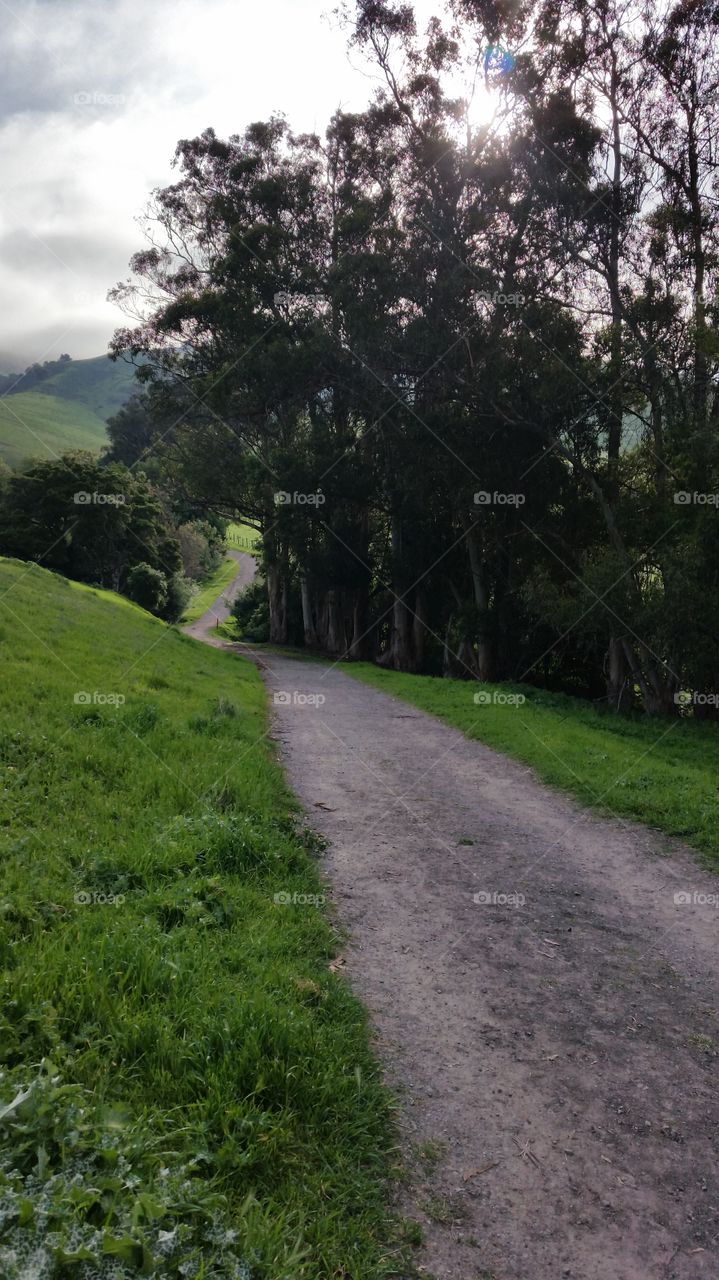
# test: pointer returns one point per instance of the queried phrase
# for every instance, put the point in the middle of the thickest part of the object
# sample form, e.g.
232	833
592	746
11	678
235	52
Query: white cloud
77	173
97	94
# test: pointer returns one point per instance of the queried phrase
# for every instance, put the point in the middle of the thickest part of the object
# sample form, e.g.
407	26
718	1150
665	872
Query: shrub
147	587
251	613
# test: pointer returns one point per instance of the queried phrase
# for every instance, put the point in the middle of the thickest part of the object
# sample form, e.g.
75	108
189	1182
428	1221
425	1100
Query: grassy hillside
98	384
186	1088
241	537
36	425
661	772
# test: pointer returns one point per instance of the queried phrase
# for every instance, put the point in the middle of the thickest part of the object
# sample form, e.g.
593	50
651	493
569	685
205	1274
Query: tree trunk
618	677
308	620
277	598
334	641
359	644
419	630
447	666
399	655
485	652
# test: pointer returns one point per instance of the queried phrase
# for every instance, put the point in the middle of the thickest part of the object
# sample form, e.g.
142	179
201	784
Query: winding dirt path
545	1008
221	608
562	1051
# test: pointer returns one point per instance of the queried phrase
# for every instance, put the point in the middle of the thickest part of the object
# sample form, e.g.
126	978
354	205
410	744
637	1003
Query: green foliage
251	615
147	587
81	1196
132	431
201	547
94	523
178	595
474	379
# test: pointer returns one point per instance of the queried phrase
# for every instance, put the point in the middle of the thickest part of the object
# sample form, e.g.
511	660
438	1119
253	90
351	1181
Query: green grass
34	425
242	538
185	1086
661	772
210	590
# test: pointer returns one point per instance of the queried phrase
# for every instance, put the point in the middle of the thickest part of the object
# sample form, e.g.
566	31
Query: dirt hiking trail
220	610
562	1052
543	1006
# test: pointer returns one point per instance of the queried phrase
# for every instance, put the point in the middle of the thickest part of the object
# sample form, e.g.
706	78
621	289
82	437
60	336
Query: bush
179	592
90	522
251	613
147	587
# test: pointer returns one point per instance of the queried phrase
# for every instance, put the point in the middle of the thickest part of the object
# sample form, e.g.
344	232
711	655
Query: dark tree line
457	360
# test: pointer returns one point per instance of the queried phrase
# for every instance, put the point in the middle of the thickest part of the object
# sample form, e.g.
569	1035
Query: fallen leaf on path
338	963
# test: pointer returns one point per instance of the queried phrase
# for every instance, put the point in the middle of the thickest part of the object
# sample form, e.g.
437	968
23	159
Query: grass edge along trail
659	772
186	1088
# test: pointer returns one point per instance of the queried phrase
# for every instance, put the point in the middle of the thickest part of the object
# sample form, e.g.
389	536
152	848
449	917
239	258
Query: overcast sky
94	94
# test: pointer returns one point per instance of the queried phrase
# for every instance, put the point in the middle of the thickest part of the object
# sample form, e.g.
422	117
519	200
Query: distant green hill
34	424
99	384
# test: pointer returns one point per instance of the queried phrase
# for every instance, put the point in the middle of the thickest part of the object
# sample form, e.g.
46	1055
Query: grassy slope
662	773
99	384
192	1031
212	589
241	537
33	425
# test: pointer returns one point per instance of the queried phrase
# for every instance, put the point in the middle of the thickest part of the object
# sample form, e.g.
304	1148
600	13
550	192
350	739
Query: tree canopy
457	359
